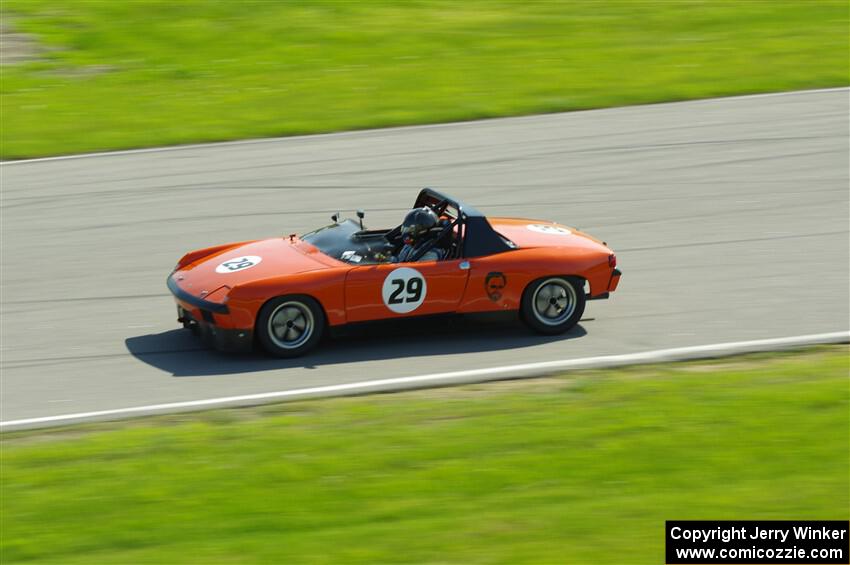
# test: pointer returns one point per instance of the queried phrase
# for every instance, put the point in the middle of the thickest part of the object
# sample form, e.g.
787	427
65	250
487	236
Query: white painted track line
525	370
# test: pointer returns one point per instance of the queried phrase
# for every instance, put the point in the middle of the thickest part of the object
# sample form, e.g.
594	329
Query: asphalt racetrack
729	218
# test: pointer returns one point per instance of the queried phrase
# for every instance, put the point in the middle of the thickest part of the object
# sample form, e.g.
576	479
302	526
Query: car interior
447	235
349	241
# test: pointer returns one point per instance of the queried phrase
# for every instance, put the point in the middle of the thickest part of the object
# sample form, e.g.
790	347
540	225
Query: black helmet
417	223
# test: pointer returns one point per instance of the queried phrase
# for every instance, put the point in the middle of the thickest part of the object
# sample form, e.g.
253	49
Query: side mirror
361	214
335	218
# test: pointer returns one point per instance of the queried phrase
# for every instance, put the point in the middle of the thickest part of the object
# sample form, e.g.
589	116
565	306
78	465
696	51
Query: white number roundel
404	290
549	229
238	264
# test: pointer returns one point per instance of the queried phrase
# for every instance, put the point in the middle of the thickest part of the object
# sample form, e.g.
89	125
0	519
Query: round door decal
549	229
238	264
404	290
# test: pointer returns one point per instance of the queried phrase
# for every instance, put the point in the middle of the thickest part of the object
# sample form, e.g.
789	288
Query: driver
416	233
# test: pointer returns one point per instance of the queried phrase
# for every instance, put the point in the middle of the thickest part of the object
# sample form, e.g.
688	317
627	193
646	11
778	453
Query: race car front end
220	290
210	317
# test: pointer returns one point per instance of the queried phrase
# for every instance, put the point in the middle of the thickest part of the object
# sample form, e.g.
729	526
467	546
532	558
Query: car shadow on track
183	355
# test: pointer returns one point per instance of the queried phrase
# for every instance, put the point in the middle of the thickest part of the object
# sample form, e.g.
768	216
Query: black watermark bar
819	542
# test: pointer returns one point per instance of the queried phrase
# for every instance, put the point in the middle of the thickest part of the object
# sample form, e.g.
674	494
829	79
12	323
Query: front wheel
553	305
290	326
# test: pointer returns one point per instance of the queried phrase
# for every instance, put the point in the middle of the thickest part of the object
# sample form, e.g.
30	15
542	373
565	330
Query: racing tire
553	305
290	326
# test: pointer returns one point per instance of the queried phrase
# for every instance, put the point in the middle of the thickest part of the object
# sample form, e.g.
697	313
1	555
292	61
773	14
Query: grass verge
112	75
582	468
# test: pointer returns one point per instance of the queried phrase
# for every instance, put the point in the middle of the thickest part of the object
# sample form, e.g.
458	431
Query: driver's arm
434	254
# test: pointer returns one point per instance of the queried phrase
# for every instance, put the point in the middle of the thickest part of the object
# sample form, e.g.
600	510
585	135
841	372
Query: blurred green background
582	468
97	75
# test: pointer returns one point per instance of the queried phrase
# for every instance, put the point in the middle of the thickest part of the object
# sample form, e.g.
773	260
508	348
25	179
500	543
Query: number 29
412	290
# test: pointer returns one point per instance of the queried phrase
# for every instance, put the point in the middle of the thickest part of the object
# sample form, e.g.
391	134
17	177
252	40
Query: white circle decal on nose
404	290
549	229
238	264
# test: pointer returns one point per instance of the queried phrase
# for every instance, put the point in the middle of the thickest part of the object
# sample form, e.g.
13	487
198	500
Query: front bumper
199	315
193	300
223	339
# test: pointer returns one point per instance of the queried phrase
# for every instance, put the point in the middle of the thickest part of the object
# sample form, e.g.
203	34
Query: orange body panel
355	293
364	298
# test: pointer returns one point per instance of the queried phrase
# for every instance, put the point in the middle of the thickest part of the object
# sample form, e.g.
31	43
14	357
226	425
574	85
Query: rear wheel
290	326
553	305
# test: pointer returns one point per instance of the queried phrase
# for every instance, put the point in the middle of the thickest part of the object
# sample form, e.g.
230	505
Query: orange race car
446	257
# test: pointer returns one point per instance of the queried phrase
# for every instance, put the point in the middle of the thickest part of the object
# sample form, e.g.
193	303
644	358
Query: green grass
582	468
152	72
